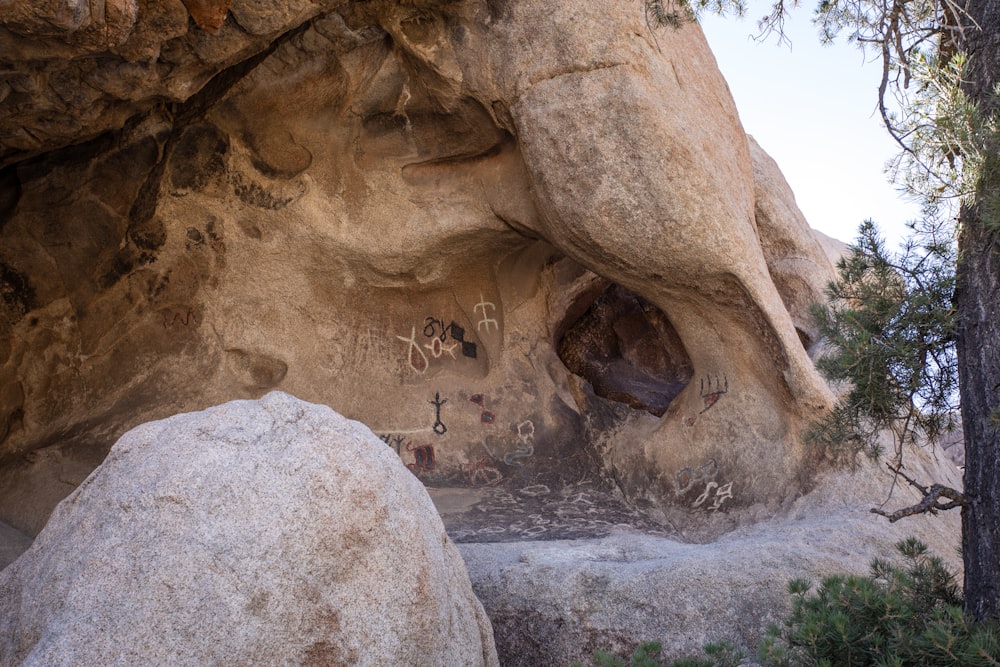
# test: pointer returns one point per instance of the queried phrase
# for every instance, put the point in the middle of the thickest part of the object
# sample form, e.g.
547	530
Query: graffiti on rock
485	306
439	426
525	444
482	471
485	416
394	441
439	332
722	494
170	318
443	340
687	478
415	356
711	394
423	458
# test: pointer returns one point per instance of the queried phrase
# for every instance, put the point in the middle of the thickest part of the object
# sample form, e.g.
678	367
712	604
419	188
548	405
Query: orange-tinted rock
208	14
395	211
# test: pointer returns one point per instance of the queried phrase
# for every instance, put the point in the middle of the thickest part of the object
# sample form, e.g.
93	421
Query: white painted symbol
703	497
724	493
483	305
438	348
414	347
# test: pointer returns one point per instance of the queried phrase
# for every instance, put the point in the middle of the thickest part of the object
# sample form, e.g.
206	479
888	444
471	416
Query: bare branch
897	471
931	502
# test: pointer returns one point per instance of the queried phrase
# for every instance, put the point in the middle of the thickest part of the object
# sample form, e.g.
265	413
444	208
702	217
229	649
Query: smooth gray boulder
270	532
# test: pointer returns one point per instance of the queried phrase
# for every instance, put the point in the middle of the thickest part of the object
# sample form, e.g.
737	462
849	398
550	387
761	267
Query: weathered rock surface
797	260
76	69
526	242
556	602
271	532
13	543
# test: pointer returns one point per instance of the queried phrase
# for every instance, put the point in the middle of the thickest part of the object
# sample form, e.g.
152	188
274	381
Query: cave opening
626	348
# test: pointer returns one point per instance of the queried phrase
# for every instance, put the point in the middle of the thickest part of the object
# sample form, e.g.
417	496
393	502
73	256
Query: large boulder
797	258
272	532
526	241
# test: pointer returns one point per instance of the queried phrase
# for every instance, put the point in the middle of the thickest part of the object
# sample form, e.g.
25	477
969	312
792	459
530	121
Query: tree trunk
979	381
978	346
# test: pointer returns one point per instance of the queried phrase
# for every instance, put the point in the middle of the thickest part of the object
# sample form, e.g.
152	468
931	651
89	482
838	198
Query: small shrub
647	655
898	616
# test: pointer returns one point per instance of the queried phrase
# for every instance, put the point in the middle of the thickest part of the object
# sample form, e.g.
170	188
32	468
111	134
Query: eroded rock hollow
526	242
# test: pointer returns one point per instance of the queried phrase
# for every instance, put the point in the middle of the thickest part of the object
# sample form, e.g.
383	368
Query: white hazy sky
813	108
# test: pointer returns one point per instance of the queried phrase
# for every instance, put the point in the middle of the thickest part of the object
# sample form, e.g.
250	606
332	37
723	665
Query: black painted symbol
423	457
395	441
436	328
431	326
458	333
439	426
712	396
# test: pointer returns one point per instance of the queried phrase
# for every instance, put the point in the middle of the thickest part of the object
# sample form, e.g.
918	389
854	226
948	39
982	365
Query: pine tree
906	615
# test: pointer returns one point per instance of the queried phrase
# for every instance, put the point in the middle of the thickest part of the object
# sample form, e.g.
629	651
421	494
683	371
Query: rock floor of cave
537	512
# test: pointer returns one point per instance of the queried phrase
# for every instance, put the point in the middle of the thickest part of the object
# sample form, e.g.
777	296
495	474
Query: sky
813	109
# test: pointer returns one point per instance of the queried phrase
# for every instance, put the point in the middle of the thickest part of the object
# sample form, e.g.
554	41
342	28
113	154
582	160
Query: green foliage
675	13
900	616
951	146
891	322
722	654
668	14
890	327
647	655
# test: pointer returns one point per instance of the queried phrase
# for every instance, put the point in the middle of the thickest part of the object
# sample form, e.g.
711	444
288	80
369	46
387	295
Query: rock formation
272	532
525	242
557	602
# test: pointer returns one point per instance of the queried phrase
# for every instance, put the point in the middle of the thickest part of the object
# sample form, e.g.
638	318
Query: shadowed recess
628	351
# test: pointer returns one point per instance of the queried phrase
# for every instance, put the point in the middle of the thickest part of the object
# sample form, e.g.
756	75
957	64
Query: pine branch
931	502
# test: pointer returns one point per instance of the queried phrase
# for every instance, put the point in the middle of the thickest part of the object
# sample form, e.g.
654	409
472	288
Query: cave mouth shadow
626	348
